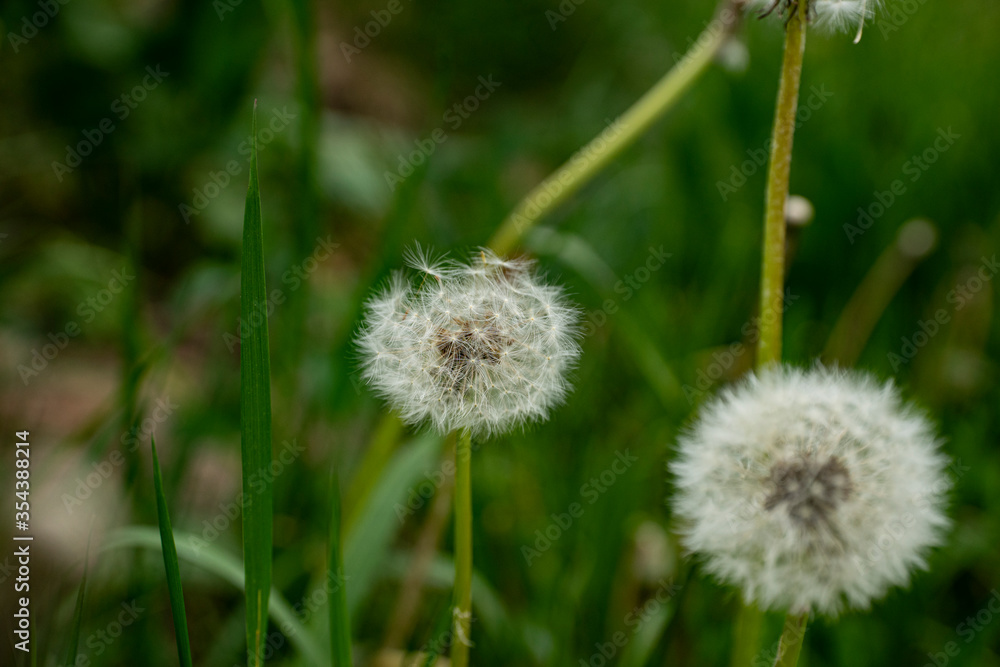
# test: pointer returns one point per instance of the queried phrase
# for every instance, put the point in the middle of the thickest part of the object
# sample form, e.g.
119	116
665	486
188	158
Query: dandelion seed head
484	346
810	490
833	15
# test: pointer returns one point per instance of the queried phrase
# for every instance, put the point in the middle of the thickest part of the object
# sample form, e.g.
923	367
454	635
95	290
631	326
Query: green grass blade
255	418
439	637
340	622
369	541
74	632
171	565
213	559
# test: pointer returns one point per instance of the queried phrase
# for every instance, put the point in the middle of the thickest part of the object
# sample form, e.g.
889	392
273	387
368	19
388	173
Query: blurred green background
123	152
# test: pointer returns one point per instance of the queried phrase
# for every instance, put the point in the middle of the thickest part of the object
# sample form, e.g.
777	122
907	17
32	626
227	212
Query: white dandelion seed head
810	490
483	346
834	15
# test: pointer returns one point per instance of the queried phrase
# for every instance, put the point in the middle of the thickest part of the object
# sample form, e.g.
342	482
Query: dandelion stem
773	265
746	635
773	256
462	618
602	149
791	640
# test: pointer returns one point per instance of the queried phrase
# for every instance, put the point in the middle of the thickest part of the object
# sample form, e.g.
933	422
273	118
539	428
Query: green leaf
255	418
213	559
370	539
171	565
74	633
340	622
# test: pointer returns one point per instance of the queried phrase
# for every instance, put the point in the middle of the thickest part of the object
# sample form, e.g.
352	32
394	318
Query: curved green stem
617	136
773	269
791	640
462	619
772	282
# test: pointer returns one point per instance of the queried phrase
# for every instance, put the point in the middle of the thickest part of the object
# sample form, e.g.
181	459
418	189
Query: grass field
125	160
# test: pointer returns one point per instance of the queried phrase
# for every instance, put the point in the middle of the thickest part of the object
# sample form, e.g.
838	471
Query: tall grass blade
255	418
171	564
340	622
214	559
74	631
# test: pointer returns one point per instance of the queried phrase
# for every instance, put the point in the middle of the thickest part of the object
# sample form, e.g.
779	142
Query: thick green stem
462	620
791	640
772	282
773	270
617	136
746	635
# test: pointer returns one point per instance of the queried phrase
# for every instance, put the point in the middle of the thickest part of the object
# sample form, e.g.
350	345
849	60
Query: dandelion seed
811	490
834	15
482	346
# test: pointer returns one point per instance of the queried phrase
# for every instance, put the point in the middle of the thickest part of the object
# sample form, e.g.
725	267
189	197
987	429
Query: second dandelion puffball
810	490
482	346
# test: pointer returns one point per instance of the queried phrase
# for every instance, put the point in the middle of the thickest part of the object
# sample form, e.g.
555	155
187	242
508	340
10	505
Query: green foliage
171	564
657	341
255	418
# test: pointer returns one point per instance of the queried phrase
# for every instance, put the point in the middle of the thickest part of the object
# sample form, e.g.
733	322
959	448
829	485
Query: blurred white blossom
483	346
810	489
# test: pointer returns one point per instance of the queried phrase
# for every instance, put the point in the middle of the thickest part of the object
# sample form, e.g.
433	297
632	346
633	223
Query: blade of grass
340	622
369	541
439	638
211	558
255	417
170	563
915	240
74	632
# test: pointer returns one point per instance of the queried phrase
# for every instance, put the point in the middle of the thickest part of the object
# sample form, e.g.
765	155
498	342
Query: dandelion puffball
832	14
482	346
810	489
